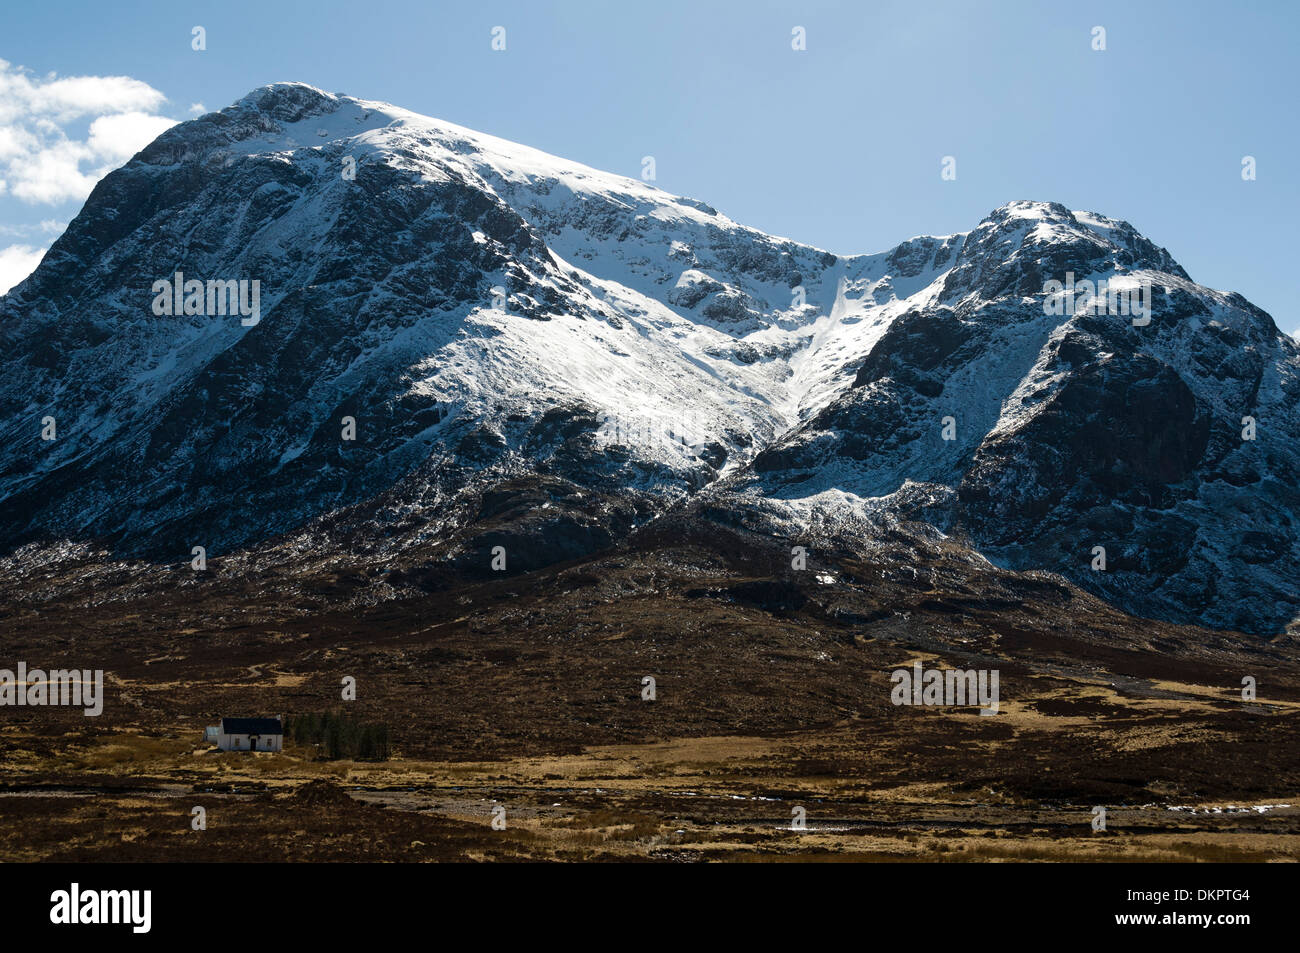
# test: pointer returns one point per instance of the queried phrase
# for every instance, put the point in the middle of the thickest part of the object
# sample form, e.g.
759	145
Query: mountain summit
310	324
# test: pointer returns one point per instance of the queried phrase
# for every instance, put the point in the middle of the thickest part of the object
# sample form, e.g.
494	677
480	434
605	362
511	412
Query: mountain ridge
488	314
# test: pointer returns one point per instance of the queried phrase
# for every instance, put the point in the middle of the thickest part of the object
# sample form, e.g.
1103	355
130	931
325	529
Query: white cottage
251	734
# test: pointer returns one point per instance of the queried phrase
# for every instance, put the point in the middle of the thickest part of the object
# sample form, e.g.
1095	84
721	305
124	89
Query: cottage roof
251	726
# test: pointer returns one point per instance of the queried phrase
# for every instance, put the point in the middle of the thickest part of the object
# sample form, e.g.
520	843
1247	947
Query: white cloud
197	109
71	97
53	173
40	163
117	138
15	141
33	231
16	263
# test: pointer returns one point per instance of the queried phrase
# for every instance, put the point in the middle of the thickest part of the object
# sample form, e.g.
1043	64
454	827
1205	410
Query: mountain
1071	432
535	354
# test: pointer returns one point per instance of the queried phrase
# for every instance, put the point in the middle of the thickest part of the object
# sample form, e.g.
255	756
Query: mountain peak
1026	208
1020	246
288	101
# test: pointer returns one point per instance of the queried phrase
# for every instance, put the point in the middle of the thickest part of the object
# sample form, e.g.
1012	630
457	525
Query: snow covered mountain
1071	432
459	342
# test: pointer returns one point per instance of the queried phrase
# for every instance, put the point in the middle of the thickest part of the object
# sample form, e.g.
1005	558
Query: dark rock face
1111	434
915	351
912	257
283	383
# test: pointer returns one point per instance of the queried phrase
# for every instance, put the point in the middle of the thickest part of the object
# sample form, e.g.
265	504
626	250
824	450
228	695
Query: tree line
340	735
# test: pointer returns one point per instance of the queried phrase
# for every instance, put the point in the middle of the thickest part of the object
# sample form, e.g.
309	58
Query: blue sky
839	145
